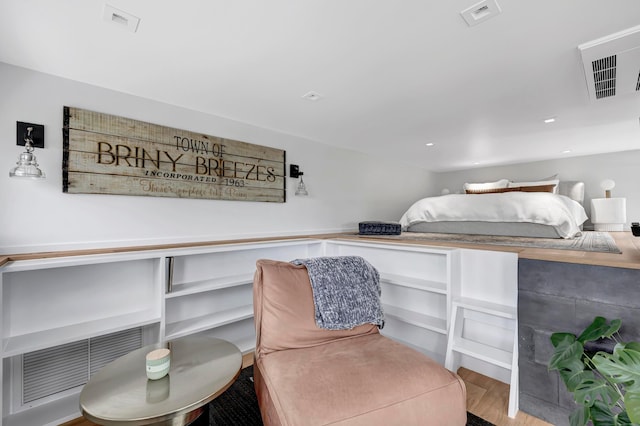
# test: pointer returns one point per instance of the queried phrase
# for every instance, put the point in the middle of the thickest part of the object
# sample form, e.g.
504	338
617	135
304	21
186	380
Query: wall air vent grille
604	76
105	349
53	370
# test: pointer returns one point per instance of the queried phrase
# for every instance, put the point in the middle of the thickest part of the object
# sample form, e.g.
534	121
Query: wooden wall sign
107	154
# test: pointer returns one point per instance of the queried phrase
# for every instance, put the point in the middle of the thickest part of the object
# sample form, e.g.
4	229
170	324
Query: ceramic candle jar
158	363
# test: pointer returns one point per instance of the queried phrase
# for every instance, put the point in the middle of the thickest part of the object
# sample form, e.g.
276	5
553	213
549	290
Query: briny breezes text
163	164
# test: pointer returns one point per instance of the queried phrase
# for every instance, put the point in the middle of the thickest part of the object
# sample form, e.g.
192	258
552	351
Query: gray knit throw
346	291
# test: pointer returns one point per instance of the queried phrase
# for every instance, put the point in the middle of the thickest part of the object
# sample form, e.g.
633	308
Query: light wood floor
486	398
489	399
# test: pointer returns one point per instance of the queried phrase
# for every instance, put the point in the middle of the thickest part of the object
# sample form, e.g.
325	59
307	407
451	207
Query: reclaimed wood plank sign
107	154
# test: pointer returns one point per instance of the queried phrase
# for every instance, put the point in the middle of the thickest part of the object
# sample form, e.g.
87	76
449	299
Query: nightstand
609	214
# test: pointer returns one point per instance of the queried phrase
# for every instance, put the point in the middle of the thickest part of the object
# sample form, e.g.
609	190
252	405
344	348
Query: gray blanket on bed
346	291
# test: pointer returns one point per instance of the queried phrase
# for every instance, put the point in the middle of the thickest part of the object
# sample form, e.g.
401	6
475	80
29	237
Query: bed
543	209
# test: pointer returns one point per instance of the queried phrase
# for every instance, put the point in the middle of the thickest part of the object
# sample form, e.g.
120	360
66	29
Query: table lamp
607	185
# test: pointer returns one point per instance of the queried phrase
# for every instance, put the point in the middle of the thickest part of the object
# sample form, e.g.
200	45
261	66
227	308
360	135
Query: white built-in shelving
42	339
195	324
170	293
417	283
429	294
42	301
212	288
184	289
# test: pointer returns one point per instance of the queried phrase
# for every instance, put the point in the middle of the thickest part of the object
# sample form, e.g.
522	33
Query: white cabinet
55	301
174	292
417	283
609	214
168	293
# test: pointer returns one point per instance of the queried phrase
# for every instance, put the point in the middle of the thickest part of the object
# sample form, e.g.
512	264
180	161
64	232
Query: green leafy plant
606	386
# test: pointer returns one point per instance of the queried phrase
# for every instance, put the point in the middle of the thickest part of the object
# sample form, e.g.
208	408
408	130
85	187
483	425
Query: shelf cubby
205	322
439	325
28	342
217	283
415	283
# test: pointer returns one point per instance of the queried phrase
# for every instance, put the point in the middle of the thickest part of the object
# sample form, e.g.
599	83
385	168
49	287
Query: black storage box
379	228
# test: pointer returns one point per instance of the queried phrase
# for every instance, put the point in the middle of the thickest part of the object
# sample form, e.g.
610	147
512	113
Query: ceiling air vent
604	76
480	12
611	64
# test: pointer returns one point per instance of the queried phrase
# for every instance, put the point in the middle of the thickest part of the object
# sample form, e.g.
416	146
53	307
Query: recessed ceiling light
566	151
550	120
430	144
476	163
312	96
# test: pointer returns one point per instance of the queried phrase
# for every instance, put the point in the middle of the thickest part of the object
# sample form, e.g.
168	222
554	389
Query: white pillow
502	183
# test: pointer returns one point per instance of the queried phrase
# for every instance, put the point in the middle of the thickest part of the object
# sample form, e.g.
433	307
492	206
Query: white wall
622	167
345	187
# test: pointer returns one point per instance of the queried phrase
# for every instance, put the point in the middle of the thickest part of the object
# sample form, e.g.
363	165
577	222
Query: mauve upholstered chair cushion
284	310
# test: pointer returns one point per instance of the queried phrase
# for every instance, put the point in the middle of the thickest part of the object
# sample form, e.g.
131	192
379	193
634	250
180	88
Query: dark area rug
238	406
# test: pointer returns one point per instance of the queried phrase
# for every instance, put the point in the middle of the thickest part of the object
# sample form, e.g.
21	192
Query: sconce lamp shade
27	165
301	190
294	172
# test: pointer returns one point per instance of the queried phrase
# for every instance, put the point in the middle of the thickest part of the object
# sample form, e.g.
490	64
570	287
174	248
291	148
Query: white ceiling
394	75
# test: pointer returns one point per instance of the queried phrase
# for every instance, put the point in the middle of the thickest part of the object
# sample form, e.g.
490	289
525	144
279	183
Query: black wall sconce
294	172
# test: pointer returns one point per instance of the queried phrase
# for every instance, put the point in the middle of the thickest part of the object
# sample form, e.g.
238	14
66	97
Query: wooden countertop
112	250
630	246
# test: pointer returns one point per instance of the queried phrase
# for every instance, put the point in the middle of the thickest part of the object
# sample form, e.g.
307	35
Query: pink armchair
305	375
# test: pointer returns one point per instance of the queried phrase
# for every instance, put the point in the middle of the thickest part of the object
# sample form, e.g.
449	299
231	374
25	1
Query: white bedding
562	213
